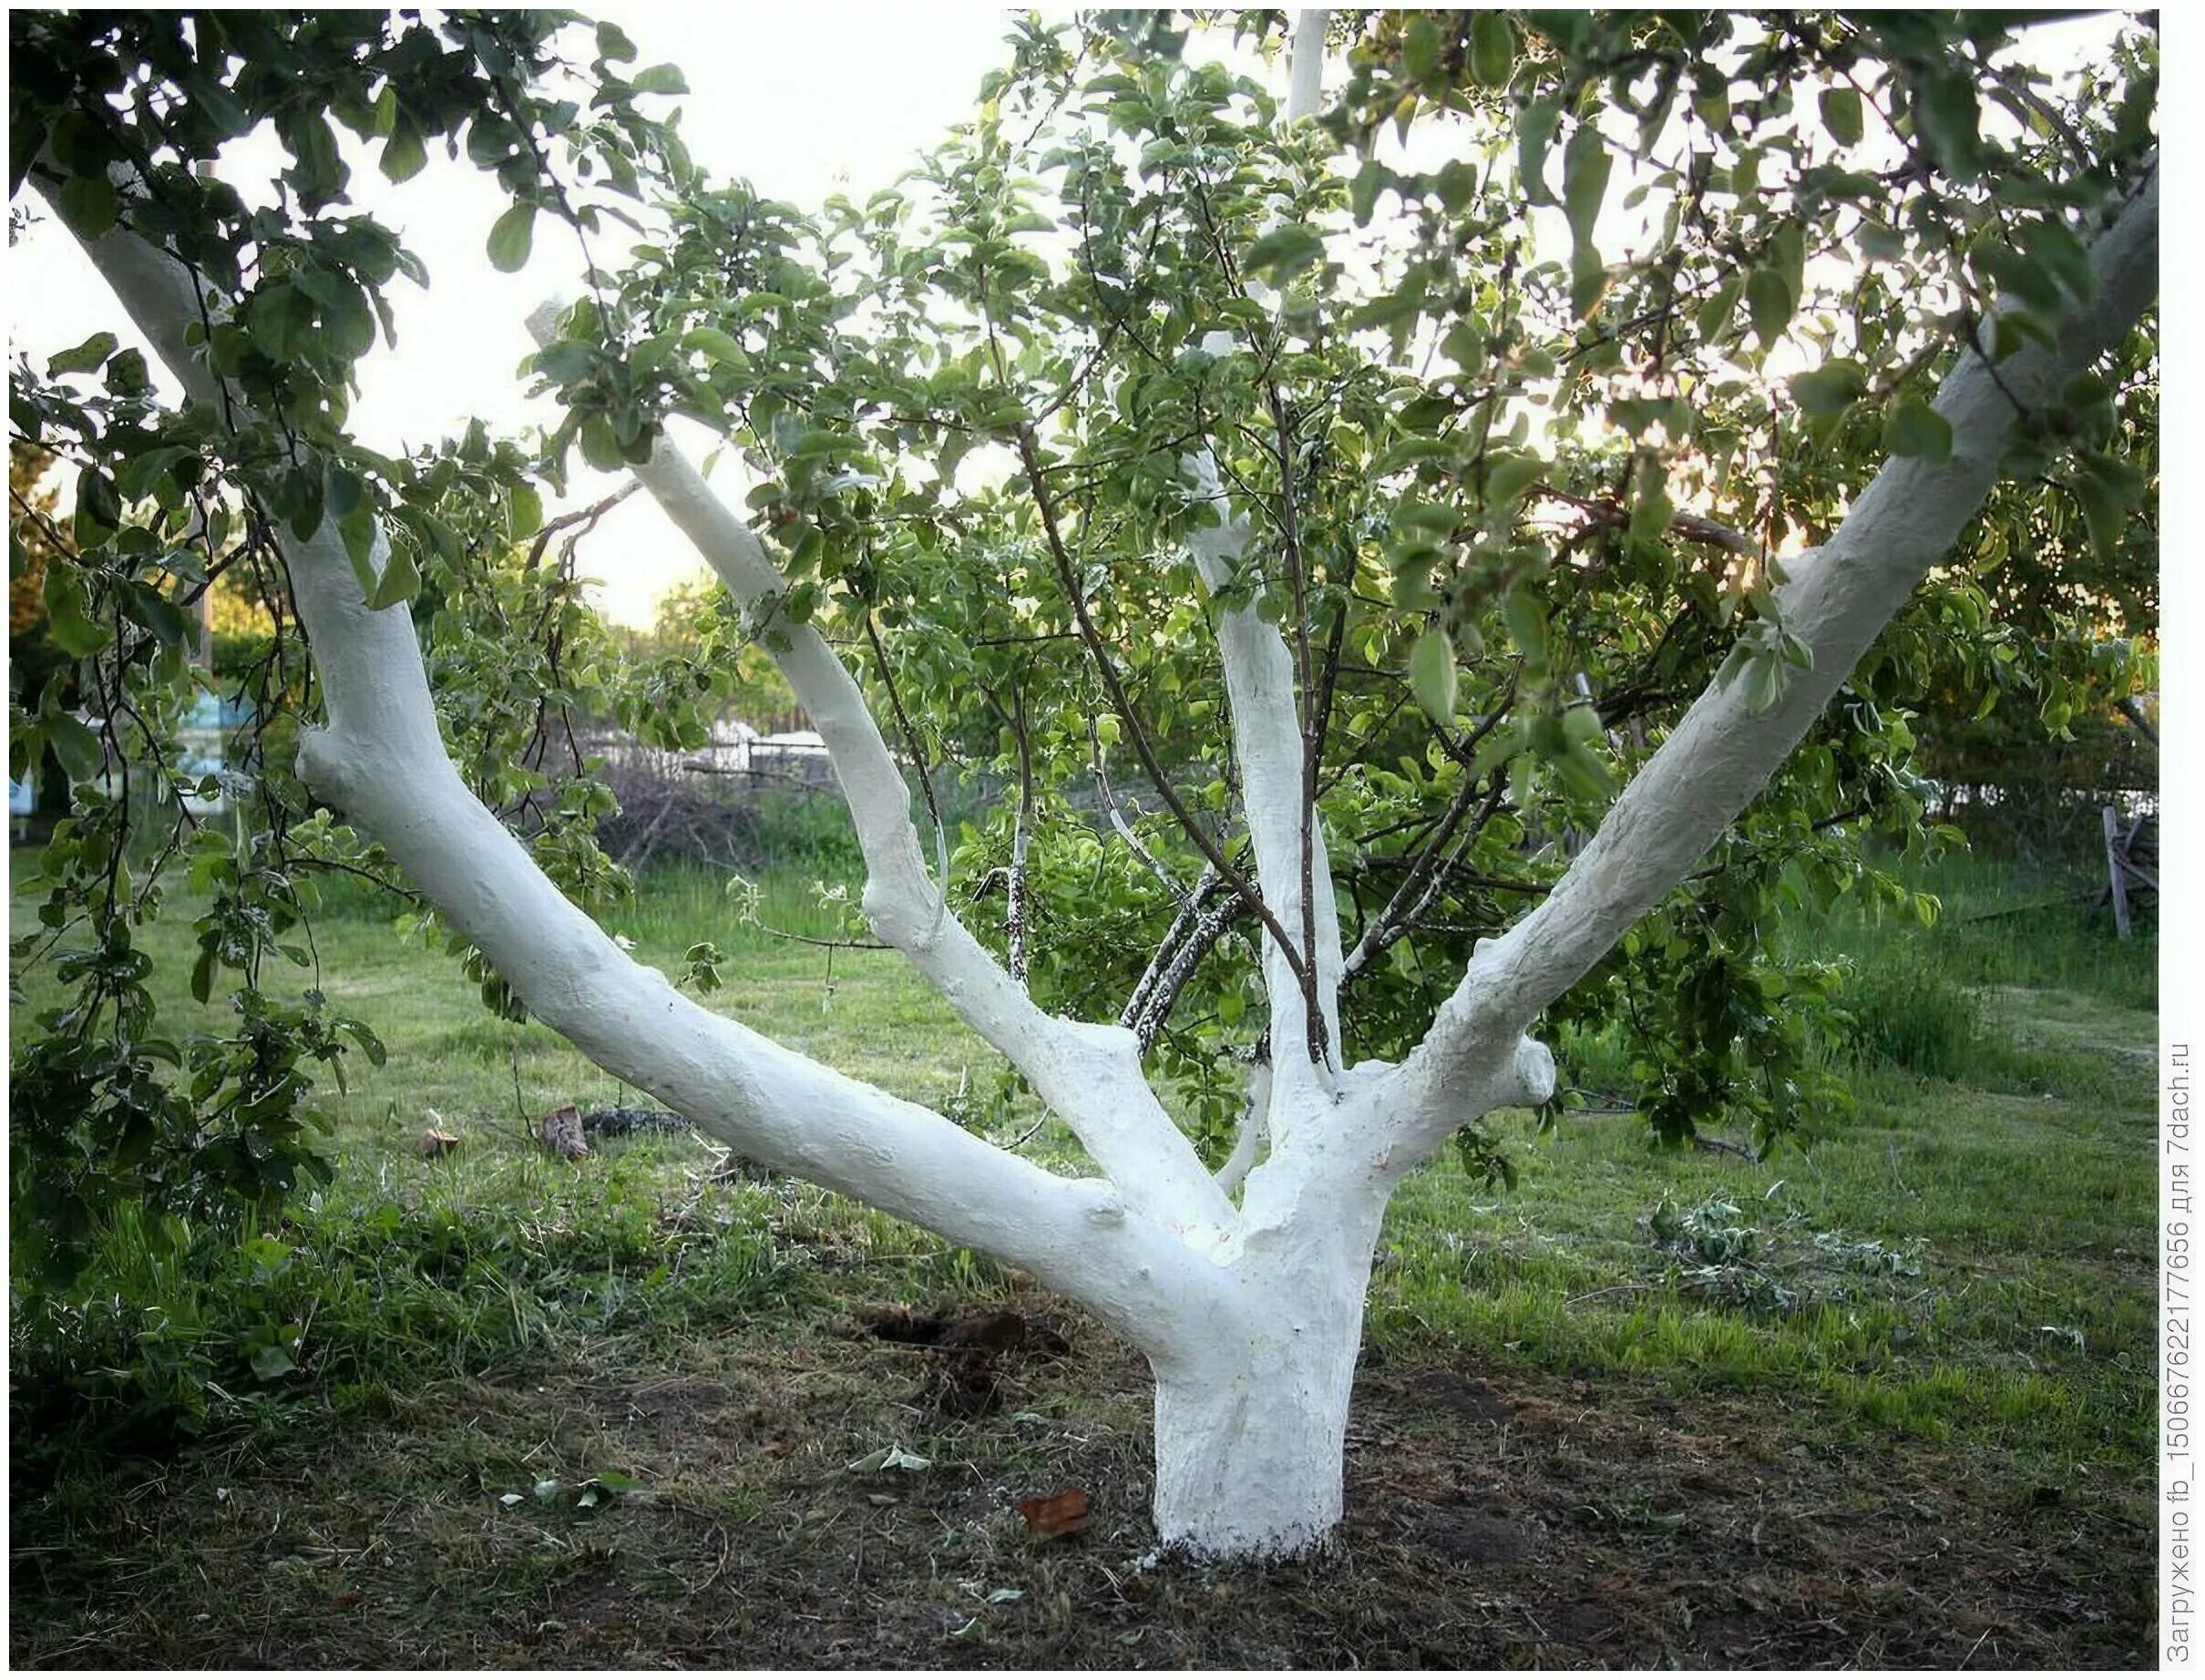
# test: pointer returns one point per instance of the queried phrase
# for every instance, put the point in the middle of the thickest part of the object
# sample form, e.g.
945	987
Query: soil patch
742	1513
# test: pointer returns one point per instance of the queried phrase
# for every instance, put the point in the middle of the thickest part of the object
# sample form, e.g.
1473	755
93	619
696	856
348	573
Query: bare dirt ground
1496	1517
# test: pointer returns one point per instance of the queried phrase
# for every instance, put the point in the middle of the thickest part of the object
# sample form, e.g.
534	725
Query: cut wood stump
561	1130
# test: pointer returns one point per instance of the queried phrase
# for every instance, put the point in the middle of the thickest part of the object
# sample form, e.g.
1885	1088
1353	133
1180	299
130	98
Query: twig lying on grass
1724	1146
1578	1300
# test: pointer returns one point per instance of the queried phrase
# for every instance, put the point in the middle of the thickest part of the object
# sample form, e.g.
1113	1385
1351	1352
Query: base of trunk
1249	1450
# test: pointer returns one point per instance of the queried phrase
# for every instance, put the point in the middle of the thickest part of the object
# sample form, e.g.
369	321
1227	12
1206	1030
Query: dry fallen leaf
1057	1517
433	1143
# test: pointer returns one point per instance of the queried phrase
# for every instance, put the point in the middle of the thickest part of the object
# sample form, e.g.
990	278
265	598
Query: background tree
1130	371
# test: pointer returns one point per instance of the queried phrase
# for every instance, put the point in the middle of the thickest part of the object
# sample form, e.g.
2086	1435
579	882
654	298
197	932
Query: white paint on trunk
1251	1430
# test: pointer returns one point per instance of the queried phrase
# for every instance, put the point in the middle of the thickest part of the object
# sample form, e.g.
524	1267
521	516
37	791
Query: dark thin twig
1121	702
918	758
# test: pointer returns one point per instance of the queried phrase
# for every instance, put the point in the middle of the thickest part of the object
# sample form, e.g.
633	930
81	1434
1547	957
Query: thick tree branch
1836	602
1268	746
1090	1074
380	756
1136	730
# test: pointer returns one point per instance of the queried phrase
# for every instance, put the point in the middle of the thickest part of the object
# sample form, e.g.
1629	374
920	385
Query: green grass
865	1012
1964	1262
2001	1153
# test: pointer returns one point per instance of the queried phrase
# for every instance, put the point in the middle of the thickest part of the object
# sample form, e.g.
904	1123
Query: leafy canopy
1531	365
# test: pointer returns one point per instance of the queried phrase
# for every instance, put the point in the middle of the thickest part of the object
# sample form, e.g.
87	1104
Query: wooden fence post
2115	874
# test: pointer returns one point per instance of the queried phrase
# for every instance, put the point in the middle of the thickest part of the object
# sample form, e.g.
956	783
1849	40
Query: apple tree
1412	553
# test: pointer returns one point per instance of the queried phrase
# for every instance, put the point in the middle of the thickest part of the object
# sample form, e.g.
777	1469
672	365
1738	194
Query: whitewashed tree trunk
1251	1432
1250	1316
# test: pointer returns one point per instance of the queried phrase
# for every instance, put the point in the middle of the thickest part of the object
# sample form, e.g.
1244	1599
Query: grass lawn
1884	1399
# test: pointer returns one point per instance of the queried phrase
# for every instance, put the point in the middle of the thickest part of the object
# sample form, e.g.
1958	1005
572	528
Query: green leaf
660	78
1946	116
97	501
567	361
1432	675
224	111
2054	248
404	154
1421	52
613	45
1525	616
1913	428
271	1360
1507	477
1769	303
716	346
1881	240
126	374
400	582
1715	315
79	750
88	204
601	448
1787	256
341	489
1586	169
2107	487
68	619
1830	389
1588	280
1842	115
167	621
85	358
1534	132
1363	191
1493	48
524	511
1285	251
1764	674
491	139
511	236
356	530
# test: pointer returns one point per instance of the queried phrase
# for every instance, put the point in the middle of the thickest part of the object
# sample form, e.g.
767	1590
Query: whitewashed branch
1722	753
1089	1074
1267	736
381	758
1268	747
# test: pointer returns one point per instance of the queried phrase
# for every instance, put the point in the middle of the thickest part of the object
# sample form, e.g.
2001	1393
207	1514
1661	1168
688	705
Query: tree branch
1090	1074
1836	602
380	756
1268	746
1136	730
